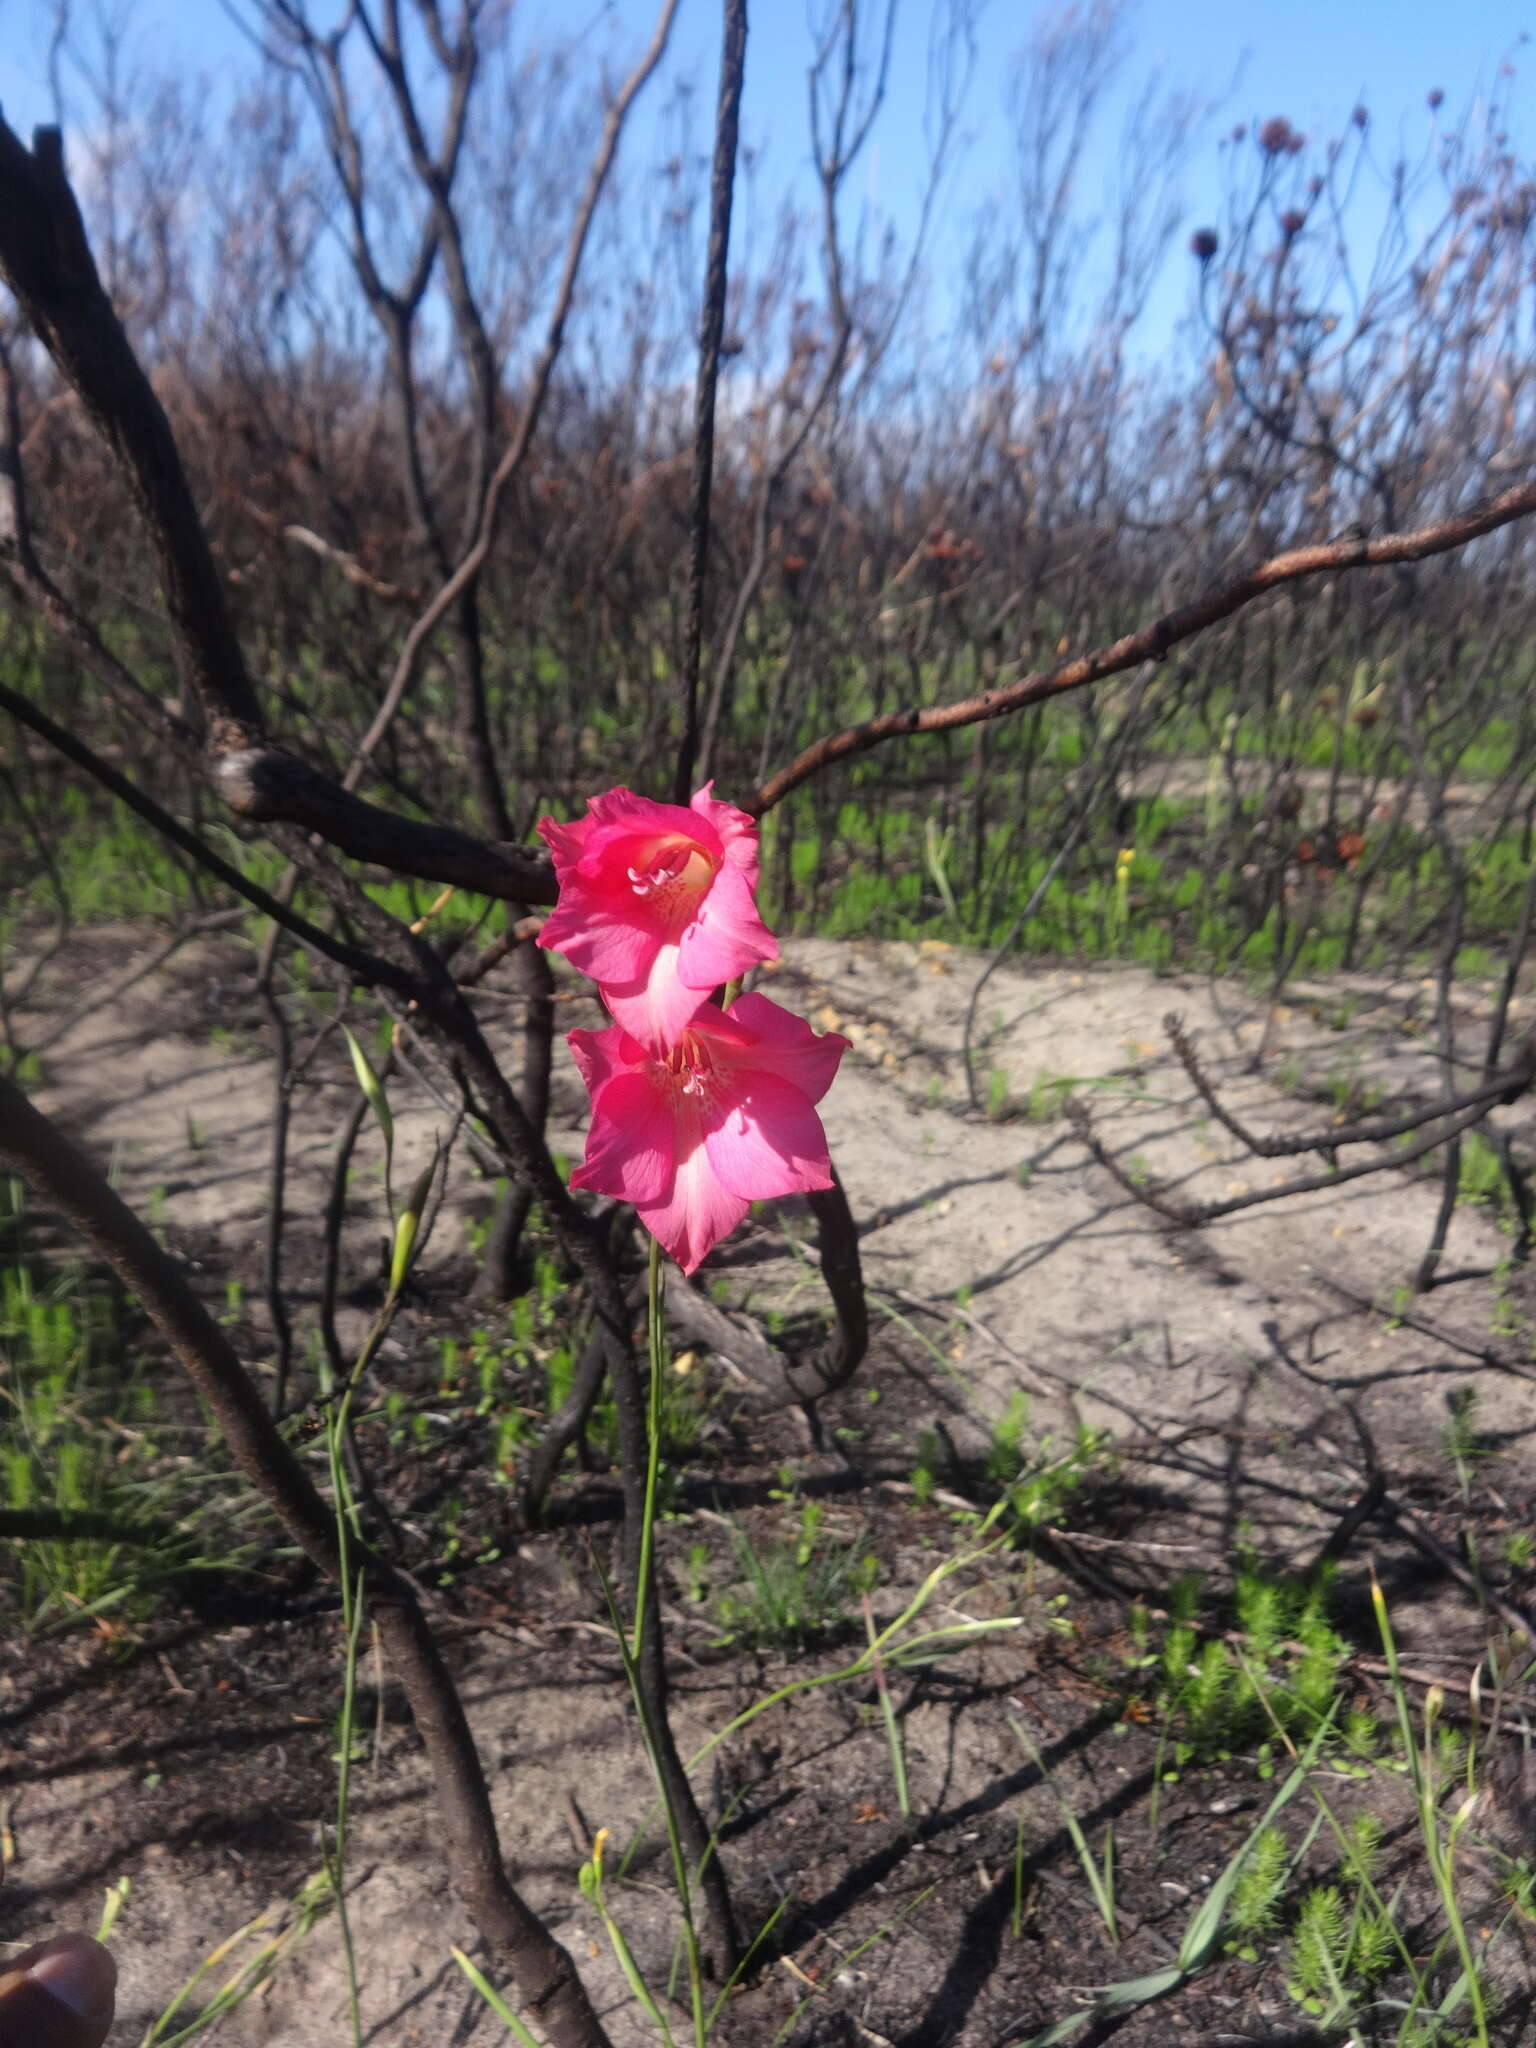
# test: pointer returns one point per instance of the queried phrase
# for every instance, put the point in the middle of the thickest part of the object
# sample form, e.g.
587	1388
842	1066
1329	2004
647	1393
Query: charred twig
365	967
351	568
563	1428
277	1182
1505	1087
1411	1320
1183	1215
1424	1539
503	1263
1191	1215
498	950
781	1377
944	1308
1361	1510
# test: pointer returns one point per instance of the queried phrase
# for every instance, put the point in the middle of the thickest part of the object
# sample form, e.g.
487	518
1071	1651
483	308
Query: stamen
684	871
690	1064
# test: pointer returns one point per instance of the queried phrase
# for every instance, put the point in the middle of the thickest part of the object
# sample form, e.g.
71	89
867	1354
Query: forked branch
1439	1121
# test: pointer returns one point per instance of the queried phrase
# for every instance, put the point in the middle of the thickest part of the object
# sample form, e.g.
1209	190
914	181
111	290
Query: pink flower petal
565	842
656	902
789	1045
698	1212
769	1141
599	1055
727	936
620	813
614	945
738	832
658	1007
695	1114
630	1144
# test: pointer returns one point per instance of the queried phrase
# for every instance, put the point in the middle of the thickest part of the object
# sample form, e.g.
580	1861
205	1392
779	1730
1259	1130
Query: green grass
83	1441
1033	1485
877	873
885	863
793	1592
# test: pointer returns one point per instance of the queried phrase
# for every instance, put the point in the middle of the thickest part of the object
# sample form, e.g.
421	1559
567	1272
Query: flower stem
656	1337
656	1344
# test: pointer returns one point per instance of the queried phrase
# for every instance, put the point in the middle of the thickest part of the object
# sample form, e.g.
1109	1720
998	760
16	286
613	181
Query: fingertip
59	1994
79	1973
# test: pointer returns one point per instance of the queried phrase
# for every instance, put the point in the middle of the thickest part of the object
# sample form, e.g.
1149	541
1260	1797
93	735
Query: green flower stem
348	1508
1440	1850
656	1333
335	1857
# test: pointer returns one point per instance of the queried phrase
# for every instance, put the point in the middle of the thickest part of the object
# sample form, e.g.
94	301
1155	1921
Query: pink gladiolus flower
726	1118
657	905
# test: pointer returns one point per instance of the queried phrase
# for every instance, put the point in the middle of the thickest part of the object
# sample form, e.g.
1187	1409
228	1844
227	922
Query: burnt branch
733	55
63	1178
781	1378
1192	1215
1505	1087
267	785
47	262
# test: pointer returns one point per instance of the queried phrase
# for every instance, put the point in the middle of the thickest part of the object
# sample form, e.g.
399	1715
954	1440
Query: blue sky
1310	60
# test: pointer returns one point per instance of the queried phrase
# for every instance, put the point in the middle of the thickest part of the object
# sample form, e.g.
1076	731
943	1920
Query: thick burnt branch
780	1378
268	785
63	1178
48	264
1150	642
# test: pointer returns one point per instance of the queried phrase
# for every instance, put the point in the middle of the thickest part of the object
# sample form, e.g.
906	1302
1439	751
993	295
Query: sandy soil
1245	1365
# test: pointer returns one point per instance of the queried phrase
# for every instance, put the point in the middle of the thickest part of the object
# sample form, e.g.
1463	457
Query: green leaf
1059	2030
408	1225
1110	1998
372	1087
494	2000
1141	1990
1203	1933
